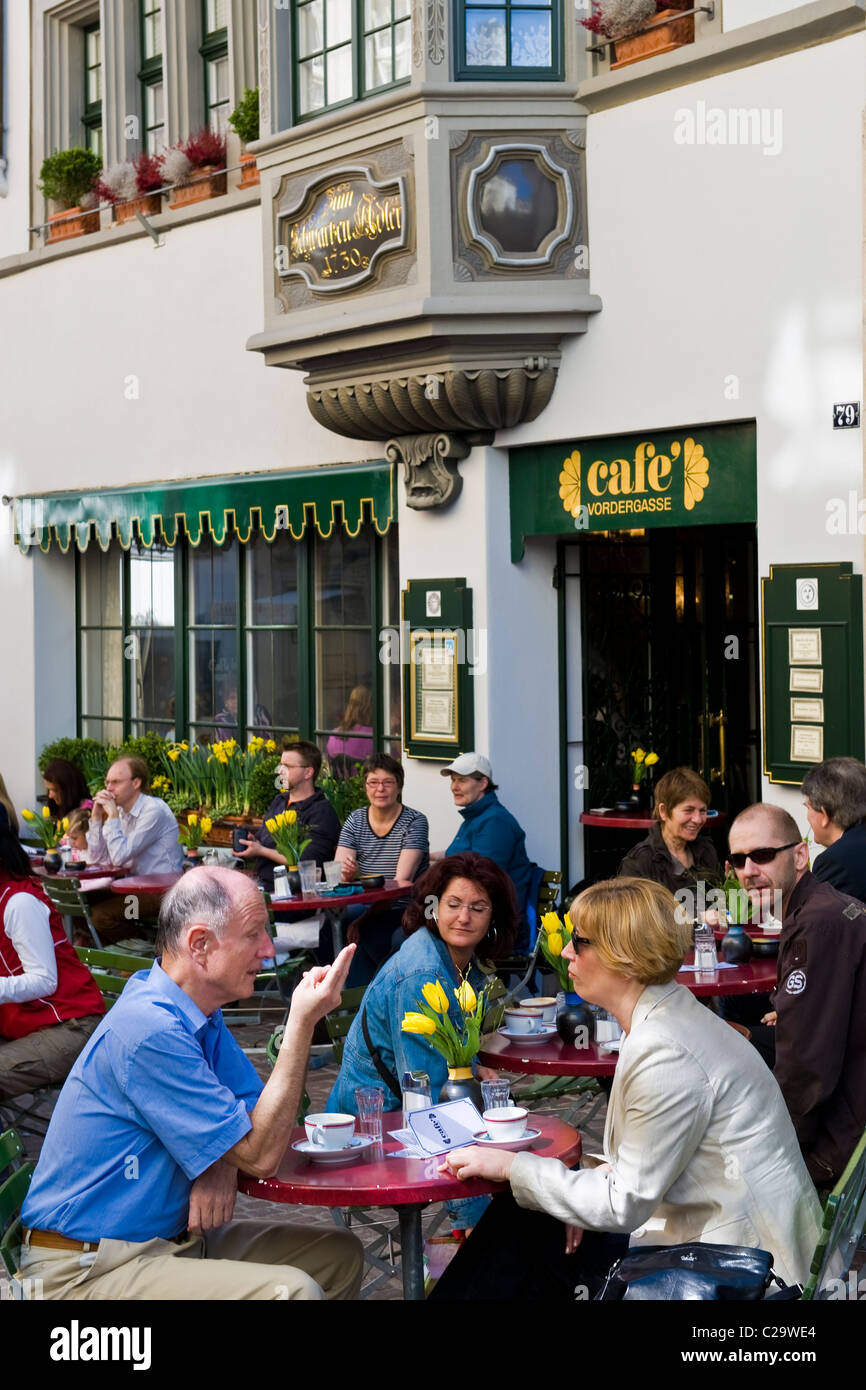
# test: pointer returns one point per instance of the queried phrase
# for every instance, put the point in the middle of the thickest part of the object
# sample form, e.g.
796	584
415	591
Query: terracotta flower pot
72	222
249	171
204	183
661	39
149	204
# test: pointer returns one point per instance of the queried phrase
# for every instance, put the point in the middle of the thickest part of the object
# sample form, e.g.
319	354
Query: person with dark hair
300	765
66	788
834	794
49	1002
165	1096
386	838
819	1015
675	853
488	828
463	911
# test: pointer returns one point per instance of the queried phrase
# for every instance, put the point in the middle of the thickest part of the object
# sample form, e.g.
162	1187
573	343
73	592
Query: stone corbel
430	465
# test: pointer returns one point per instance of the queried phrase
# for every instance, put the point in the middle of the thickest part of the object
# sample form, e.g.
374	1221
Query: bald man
134	1190
820	995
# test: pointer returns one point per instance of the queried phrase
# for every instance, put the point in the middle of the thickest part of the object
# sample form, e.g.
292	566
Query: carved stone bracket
430	465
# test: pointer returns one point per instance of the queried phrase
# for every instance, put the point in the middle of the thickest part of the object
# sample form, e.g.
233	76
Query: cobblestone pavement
320	1079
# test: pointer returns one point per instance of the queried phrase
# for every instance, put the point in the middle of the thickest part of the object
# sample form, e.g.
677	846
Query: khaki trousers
43	1058
243	1260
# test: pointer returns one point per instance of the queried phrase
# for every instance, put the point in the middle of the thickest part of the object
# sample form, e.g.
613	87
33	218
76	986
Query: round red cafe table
336	905
406	1184
145	883
89	871
556	1058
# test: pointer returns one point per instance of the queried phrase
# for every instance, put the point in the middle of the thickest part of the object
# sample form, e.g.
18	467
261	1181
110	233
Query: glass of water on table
370	1100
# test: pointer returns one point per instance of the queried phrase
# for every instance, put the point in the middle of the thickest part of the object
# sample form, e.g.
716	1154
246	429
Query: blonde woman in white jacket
698	1143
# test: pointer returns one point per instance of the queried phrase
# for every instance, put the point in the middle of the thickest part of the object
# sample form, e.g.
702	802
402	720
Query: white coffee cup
330	1131
506	1123
543	1006
522	1020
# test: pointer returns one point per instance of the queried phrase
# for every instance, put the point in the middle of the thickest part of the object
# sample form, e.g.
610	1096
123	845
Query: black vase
573	1014
736	945
294	884
462	1088
52	861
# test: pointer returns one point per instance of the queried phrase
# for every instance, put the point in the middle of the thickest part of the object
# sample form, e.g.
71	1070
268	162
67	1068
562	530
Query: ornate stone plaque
341	226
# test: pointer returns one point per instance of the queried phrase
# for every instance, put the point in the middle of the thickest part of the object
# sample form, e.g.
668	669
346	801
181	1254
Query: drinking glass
496	1094
333	873
416	1093
369	1101
307	872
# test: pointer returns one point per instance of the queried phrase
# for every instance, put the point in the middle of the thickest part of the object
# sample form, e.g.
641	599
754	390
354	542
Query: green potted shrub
244	121
66	180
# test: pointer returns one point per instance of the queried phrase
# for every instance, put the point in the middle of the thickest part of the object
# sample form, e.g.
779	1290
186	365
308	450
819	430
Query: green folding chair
111	970
15	1178
67	897
841	1231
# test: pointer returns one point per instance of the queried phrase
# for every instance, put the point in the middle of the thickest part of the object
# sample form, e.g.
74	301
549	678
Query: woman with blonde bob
698	1143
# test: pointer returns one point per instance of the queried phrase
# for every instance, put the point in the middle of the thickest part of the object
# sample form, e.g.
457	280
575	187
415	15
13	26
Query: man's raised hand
320	989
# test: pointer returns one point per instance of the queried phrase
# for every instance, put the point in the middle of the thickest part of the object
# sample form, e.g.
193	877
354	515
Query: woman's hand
251	850
492	1165
573	1237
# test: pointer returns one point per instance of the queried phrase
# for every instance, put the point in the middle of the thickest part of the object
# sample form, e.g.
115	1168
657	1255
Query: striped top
378	854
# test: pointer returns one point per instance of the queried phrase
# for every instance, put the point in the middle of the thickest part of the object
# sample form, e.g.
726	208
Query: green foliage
79	751
263	783
68	175
244	120
346	794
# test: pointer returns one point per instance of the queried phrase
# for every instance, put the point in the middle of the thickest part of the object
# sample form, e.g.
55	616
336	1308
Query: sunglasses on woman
759	856
578	941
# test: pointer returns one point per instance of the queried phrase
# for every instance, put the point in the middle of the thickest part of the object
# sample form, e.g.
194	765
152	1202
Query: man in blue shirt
139	1166
487	827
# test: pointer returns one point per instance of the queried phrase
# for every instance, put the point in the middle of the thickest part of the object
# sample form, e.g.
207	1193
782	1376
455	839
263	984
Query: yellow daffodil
554	943
46	813
192	818
651	758
174	754
417	1023
291	817
271	825
206	825
436	997
550	922
64	824
466	997
28	815
270	746
638	755
185	747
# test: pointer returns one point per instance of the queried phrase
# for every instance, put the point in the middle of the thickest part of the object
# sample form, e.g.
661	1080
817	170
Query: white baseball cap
468	763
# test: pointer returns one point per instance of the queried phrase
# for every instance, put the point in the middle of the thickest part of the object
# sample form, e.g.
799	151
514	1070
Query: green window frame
214	52
499	39
92	110
150	74
248	615
344	50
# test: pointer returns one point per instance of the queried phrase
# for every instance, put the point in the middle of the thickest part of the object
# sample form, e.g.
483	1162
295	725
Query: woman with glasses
384	838
675	853
698	1143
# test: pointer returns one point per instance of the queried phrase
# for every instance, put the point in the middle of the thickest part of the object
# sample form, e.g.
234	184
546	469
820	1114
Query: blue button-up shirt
160	1092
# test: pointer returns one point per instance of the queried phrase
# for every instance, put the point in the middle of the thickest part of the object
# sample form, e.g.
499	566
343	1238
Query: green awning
347	495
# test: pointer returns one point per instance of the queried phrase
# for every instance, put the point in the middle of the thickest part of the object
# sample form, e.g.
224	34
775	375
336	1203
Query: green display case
439	658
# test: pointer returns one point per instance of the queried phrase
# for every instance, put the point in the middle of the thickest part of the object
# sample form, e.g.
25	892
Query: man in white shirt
130	828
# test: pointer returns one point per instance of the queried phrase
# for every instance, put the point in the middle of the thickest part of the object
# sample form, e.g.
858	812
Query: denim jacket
395	991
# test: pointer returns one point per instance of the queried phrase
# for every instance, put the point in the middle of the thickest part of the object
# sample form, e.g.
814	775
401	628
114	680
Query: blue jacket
491	830
843	864
396	991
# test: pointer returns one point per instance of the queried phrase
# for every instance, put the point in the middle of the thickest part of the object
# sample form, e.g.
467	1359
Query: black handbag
691	1271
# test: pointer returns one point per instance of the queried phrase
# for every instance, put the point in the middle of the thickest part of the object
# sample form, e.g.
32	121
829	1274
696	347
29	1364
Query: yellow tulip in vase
454	1032
50	832
573	1018
641	794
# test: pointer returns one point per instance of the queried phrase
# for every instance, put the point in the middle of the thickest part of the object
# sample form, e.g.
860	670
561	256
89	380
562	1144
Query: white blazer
700	1145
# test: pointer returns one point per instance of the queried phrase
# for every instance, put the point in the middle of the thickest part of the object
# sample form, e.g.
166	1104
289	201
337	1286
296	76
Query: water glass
496	1094
369	1101
416	1093
705	949
333	873
307	872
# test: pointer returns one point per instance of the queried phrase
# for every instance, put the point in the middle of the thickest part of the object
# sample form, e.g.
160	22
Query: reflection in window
215	53
151	75
151	623
272	636
510	34
92	118
387	39
343	615
213	641
101	644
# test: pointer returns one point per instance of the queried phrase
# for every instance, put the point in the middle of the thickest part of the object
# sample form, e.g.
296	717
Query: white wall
737	13
14	208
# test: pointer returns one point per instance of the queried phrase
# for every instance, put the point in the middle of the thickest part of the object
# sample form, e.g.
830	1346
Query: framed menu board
813	667
438	699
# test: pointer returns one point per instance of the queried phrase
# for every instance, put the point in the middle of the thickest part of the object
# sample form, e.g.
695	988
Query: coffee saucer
541	1034
526	1141
317	1154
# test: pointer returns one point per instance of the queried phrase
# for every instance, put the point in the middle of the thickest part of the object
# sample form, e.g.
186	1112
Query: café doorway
668	635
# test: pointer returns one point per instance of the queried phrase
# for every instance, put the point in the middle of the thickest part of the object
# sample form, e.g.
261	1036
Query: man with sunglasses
820	995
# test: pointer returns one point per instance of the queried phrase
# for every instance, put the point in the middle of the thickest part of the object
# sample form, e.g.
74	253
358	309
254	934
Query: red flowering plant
615	18
205	147
129	179
148	172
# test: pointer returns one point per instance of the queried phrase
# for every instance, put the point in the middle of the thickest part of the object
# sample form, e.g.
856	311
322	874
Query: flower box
72	222
663	38
203	183
249	172
149	204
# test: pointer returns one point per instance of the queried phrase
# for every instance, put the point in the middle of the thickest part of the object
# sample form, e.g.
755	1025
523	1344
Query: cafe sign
342	225
698	475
